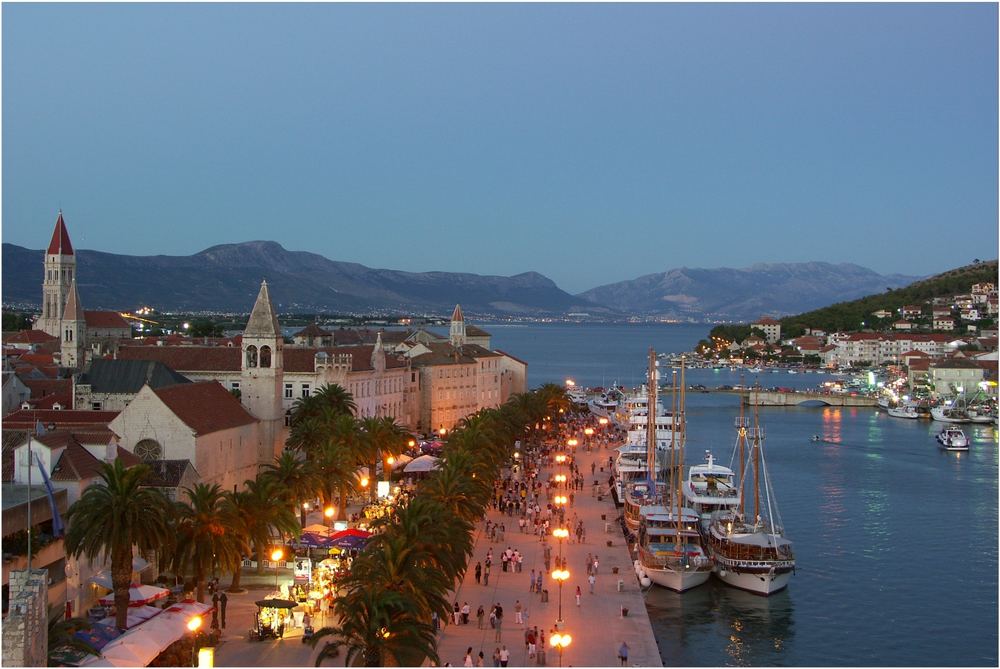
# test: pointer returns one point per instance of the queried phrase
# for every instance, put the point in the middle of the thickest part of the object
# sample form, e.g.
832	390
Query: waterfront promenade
596	626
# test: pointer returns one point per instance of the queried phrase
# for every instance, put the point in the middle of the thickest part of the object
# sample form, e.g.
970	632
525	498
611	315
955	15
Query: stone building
110	385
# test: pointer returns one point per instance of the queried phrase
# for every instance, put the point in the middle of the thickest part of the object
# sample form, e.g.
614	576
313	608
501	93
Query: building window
305	390
95	406
265	356
235	385
147	450
251	356
288	391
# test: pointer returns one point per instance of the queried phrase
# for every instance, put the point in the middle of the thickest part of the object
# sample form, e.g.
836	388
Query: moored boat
903	411
953	439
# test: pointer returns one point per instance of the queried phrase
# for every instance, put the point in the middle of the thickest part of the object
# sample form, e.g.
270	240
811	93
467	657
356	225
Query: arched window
251	356
265	356
148	449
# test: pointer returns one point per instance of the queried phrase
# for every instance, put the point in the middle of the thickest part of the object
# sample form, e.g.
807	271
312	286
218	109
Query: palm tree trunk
342	513
234	585
121	576
200	587
372	482
259	554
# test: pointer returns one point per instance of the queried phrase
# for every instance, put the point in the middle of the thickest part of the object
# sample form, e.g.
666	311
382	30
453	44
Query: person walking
518	620
496	657
591	579
498	612
538	582
481	660
531	582
578	593
457	614
465	613
623	654
479	572
223	600
504	656
480	614
468	657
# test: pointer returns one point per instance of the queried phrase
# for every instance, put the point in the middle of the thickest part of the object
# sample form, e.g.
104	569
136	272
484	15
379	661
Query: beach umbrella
316	528
138	595
349	542
402	460
424	463
314	540
351	532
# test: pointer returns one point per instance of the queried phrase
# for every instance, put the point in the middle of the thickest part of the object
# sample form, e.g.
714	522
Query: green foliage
203	327
851	315
14	321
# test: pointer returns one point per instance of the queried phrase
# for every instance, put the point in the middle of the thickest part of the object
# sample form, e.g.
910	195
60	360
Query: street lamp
389	461
276	555
560	642
590	433
303	512
602	420
571	442
193	625
560	459
560	575
328	512
560	479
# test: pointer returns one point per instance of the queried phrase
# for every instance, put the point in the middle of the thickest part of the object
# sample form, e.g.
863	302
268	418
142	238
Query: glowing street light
560	575
302	513
560	642
328	512
602	420
276	555
194	624
560	459
570	382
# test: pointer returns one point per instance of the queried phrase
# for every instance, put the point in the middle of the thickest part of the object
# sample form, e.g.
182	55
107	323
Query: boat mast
650	422
741	436
756	463
679	475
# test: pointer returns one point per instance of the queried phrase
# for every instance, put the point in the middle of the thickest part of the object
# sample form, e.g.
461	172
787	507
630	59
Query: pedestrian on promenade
223	600
465	613
496	657
215	611
479	572
486	574
498	612
518	619
590	563
623	654
457	614
468	657
531	582
591	579
538	582
481	660
504	656
596	563
480	614
578	593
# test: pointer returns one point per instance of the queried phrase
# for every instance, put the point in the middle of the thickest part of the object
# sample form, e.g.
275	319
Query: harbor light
602	420
194	624
570	382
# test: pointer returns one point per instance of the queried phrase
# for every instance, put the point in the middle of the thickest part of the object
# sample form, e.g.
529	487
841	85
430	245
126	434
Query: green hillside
849	316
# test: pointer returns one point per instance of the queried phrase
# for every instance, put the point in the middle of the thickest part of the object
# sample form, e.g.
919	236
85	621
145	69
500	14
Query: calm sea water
895	540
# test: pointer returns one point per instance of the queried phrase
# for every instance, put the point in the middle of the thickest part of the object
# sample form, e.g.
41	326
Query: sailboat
750	550
671	554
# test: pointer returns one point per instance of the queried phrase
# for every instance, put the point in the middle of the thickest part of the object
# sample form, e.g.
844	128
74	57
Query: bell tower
457	332
262	374
60	273
73	331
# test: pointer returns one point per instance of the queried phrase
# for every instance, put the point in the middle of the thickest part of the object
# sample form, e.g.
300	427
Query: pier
787	398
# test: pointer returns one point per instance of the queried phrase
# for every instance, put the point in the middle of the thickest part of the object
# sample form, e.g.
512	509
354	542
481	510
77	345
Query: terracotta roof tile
106	319
25	419
205	407
187	358
29	337
60	244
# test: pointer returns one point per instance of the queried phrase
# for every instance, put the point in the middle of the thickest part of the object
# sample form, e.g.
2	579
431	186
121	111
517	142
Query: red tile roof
205	407
77	463
920	364
766	320
25	419
37	359
105	319
30	337
60	239
186	358
64	400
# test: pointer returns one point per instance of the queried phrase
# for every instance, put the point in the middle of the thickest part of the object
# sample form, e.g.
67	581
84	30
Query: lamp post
302	513
589	432
560	642
560	502
328	512
389	461
560	575
560	533
276	555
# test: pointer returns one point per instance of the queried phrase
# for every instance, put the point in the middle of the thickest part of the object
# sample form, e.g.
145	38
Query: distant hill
850	315
227	278
742	294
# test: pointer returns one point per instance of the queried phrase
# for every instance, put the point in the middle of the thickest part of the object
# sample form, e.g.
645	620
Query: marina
859	503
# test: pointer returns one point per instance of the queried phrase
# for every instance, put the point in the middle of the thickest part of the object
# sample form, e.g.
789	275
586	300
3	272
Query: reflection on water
754	629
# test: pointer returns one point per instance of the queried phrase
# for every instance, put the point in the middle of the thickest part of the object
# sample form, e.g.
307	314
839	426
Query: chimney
111	451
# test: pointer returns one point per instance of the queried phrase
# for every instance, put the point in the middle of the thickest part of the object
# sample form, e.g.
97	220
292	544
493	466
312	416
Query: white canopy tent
141	644
138	595
424	463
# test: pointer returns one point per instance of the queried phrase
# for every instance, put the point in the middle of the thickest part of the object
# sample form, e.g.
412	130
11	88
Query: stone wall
26	629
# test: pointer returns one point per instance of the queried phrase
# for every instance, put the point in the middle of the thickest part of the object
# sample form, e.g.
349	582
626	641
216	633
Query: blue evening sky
592	143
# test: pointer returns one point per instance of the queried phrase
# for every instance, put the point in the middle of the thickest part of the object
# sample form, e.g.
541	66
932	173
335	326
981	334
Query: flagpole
31	436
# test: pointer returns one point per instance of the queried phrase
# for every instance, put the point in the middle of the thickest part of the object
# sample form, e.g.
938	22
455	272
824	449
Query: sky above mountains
591	143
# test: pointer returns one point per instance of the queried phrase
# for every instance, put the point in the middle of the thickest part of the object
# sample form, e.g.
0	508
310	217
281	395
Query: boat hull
678	581
760	583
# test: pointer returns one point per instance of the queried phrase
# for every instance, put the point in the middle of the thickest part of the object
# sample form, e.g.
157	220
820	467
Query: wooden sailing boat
671	554
751	551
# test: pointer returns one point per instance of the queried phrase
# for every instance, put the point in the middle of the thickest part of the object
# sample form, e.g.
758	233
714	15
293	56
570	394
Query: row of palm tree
211	530
422	550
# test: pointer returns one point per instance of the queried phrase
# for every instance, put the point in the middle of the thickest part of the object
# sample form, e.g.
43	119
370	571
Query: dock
598	626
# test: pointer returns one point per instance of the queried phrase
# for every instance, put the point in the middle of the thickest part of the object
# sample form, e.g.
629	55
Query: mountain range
226	278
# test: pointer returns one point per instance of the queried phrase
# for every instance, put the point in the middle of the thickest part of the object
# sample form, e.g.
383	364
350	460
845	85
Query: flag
39	428
57	524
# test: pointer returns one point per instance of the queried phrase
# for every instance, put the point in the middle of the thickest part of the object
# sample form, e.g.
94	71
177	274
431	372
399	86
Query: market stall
273	615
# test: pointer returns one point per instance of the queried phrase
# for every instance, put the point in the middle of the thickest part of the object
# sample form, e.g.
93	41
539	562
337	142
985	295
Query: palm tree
380	438
207	536
379	626
330	396
293	477
254	514
113	516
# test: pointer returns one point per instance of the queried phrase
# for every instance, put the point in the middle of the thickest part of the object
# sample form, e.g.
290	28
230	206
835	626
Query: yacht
953	439
946	413
710	487
671	554
748	545
903	411
607	404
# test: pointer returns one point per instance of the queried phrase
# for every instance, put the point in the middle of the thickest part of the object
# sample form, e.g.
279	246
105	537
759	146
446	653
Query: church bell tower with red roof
60	272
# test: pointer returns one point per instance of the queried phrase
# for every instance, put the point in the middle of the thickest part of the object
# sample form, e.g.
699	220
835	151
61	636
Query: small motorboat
953	439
